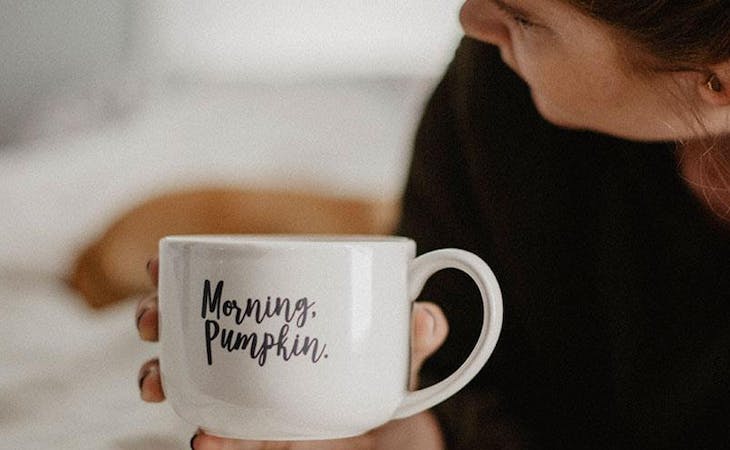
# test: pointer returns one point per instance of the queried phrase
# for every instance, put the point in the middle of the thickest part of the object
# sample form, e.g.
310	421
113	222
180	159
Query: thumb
428	332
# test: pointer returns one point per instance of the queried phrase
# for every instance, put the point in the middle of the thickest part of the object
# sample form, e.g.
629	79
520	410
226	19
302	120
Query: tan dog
112	268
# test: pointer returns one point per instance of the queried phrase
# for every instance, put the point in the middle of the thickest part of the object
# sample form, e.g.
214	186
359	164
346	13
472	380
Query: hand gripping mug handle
420	269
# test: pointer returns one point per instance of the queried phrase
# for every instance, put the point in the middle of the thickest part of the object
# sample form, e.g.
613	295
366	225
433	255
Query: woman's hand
419	432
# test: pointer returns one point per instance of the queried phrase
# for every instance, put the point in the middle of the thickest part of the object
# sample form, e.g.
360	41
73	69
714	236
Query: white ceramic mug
302	337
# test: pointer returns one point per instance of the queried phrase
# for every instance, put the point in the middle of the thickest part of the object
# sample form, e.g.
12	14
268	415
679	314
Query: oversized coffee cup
302	337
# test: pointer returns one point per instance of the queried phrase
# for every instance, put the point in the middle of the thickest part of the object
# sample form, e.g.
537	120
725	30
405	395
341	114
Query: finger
364	442
419	432
150	383
153	270
203	441
146	317
429	331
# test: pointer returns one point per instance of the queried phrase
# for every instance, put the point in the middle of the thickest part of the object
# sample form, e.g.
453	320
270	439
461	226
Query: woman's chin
552	114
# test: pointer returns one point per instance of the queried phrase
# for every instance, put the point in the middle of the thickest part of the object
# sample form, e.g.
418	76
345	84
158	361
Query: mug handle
420	269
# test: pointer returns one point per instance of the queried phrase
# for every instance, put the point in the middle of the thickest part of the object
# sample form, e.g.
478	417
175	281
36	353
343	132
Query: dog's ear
113	267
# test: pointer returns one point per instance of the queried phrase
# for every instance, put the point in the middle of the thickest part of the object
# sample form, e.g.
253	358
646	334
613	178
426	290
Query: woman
581	148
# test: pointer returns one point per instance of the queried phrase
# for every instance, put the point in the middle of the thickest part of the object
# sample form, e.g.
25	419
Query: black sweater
616	280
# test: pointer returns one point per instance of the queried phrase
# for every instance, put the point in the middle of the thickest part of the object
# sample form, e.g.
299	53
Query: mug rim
285	239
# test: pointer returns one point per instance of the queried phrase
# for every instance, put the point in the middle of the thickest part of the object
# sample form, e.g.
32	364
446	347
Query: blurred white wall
300	38
86	53
47	47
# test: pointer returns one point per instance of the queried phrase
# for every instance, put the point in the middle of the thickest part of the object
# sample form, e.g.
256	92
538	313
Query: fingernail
142	376
145	373
140	314
431	318
431	322
192	441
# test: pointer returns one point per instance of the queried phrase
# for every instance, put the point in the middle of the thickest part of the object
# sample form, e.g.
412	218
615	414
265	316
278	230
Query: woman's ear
714	88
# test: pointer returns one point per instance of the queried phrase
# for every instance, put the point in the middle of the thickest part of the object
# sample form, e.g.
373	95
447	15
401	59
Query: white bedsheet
68	374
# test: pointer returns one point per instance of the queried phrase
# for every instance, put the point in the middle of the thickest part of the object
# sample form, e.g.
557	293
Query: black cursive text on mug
280	307
258	343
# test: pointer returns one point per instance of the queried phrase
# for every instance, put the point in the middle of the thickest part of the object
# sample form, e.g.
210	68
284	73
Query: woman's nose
482	21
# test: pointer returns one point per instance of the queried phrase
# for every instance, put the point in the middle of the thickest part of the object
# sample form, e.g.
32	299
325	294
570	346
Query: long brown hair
682	35
687	33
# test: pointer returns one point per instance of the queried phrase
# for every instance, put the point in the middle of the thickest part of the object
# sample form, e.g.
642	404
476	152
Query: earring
714	84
